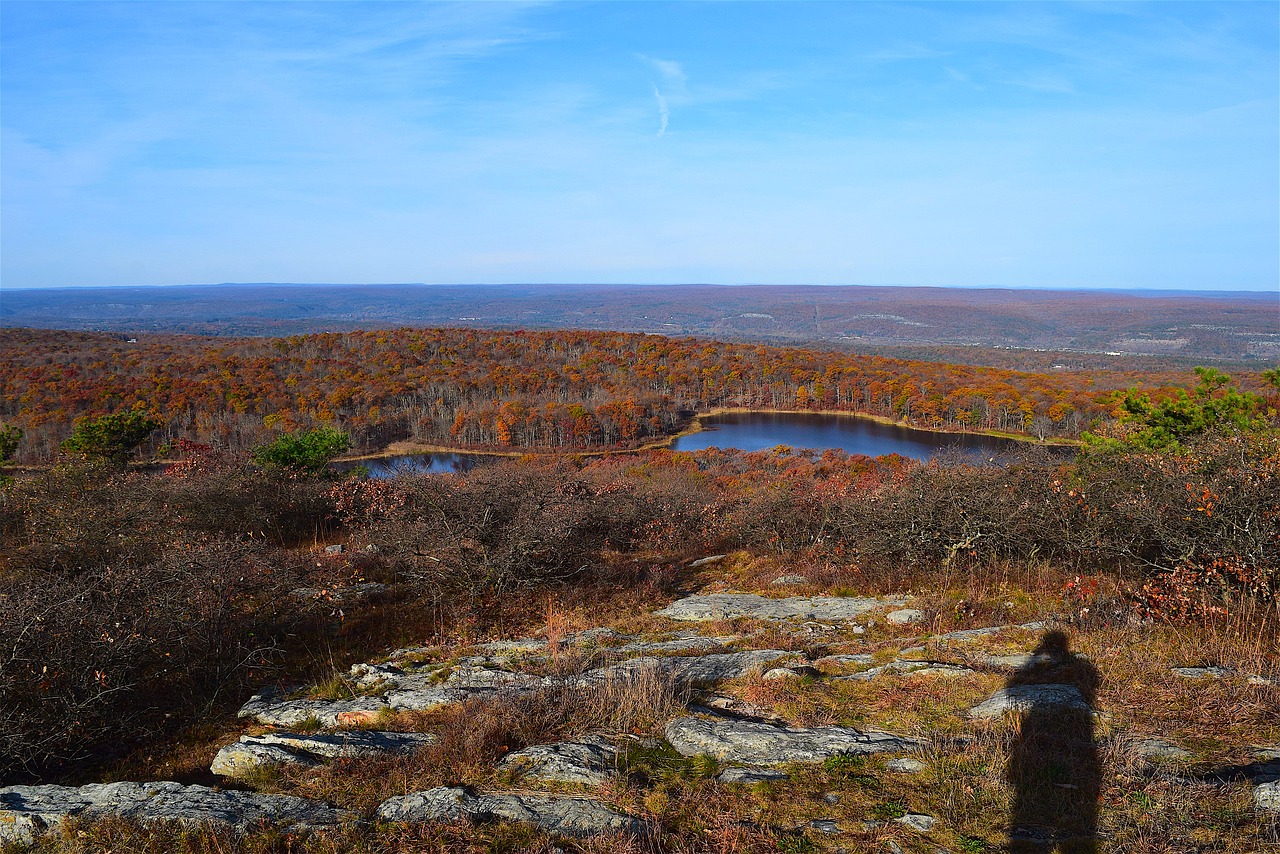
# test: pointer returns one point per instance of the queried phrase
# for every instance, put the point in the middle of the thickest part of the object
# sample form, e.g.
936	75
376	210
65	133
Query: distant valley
915	322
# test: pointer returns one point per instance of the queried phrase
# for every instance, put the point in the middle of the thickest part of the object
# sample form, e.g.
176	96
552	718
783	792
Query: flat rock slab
28	811
1158	748
563	815
698	669
589	761
268	708
1021	698
763	744
973	634
274	748
747	776
725	606
1211	672
910	667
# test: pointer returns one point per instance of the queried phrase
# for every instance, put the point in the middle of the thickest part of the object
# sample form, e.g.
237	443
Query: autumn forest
491	389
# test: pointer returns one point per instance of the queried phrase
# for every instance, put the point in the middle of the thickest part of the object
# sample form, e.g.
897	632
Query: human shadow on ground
1053	763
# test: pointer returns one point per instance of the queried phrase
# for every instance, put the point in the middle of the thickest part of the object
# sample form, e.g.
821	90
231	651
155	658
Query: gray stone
917	668
1021	698
905	765
824	825
275	748
697	669
1158	748
1212	672
971	634
704	561
424	699
917	822
335	549
468	677
831	798
904	616
750	775
589	761
1267	796
696	643
724	606
780	674
266	708
789	580
567	816
754	743
28	811
245	756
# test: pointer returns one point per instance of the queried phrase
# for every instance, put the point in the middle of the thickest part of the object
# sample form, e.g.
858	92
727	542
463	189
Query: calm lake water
756	431
759	431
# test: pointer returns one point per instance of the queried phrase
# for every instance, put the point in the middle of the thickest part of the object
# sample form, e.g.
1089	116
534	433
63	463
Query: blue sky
1019	145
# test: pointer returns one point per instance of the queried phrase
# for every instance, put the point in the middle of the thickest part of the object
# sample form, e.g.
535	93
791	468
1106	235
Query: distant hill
1203	326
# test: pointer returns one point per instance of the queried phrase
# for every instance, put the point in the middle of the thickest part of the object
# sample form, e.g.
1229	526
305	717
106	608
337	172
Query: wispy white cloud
664	114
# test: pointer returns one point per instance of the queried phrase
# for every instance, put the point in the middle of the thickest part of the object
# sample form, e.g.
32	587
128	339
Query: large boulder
752	743
28	811
558	814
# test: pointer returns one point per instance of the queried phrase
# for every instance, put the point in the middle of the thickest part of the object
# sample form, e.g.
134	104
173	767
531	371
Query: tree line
490	389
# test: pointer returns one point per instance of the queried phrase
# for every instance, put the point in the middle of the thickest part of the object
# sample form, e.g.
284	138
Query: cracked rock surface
273	748
558	814
588	761
752	743
1020	698
28	811
724	606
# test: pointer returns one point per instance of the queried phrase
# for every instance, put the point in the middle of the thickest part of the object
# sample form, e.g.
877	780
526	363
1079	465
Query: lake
759	431
756	431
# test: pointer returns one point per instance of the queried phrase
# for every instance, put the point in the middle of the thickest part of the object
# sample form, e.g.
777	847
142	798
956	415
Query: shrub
309	453
112	438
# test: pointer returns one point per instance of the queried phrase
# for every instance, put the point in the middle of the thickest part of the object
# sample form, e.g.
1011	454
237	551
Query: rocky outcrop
253	751
28	811
725	606
752	743
697	669
558	814
588	761
269	708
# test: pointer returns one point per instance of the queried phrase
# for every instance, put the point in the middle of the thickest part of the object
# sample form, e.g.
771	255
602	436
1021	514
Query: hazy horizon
1104	146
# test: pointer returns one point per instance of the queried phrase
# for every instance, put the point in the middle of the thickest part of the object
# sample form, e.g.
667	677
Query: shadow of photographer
1053	763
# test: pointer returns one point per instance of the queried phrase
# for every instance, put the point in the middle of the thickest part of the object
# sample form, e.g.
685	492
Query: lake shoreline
410	448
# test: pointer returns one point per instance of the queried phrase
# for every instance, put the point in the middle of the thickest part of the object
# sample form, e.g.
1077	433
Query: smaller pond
384	467
759	431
